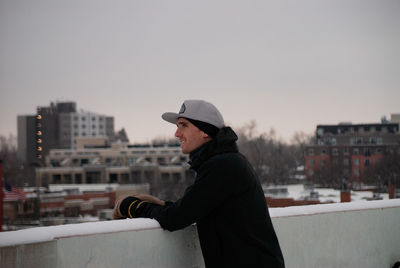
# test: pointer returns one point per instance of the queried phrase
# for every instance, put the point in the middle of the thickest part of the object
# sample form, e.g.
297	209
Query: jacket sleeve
216	182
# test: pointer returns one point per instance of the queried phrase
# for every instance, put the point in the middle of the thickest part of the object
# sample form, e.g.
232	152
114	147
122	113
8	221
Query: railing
359	234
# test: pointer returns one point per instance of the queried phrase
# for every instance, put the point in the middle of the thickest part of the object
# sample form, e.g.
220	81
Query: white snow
49	233
334	207
325	195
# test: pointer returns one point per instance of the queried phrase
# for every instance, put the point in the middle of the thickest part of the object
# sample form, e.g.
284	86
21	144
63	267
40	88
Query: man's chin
184	150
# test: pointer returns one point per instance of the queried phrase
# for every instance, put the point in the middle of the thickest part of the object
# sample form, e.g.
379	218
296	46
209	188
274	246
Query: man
226	200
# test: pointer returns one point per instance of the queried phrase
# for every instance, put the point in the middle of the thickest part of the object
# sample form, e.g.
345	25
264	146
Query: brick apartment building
347	150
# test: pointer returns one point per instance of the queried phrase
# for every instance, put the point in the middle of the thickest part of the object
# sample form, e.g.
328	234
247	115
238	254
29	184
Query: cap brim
170	117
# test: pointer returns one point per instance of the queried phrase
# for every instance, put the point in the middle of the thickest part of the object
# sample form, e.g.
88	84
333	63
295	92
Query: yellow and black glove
127	207
136	206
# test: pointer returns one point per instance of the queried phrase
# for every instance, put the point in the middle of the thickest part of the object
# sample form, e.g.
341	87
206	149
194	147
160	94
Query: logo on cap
183	109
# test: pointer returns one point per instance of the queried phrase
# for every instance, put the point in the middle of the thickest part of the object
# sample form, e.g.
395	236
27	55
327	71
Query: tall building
58	126
83	124
26	138
345	151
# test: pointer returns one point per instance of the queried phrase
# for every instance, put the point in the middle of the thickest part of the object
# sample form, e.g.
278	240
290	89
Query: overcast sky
288	65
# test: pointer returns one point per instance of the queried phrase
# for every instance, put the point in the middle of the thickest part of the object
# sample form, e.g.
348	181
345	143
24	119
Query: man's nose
177	133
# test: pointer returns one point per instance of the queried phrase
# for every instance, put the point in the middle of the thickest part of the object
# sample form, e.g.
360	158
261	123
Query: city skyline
286	65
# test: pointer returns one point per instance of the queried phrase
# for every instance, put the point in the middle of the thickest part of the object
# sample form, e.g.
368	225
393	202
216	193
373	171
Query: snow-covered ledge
358	234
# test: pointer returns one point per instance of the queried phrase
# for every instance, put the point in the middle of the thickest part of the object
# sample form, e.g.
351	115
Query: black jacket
228	204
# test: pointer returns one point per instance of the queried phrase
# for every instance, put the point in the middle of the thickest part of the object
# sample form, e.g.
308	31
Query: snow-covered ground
325	195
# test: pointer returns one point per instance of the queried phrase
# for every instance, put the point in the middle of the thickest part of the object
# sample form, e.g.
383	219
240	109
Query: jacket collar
224	142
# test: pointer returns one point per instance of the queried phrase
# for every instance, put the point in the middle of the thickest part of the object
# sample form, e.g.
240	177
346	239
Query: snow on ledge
334	207
50	233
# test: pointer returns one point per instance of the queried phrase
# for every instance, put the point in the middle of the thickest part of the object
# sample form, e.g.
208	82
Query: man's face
189	136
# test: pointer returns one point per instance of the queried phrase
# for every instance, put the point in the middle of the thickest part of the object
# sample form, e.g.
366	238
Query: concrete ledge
359	234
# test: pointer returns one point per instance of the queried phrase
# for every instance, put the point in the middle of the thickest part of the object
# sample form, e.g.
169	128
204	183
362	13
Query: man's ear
204	135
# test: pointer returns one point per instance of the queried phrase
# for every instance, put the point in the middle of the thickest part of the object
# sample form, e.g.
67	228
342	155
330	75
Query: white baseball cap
198	110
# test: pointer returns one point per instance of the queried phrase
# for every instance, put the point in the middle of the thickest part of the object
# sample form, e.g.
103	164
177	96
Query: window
333	141
56	179
67	178
113	178
356	151
161	160
335	151
379	140
125	178
346	151
311	162
346	161
176	177
356	161
310	151
310	172
323	162
78	178
149	175
323	152
356	172
93	177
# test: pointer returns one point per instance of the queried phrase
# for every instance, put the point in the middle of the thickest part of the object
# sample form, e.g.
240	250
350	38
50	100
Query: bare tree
272	159
385	172
299	142
158	141
12	168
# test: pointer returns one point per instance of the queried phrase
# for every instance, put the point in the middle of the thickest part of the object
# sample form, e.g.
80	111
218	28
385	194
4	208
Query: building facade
165	168
343	152
84	124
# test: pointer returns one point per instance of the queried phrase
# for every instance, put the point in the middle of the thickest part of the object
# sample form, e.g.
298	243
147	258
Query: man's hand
117	213
142	198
